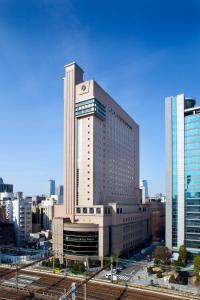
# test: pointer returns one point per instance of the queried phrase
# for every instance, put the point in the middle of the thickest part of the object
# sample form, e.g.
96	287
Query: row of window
92	210
90	106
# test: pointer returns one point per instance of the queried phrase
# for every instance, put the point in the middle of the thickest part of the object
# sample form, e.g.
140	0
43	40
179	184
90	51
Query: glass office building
182	173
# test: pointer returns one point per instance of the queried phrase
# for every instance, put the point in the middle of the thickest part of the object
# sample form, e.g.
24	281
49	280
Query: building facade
145	190
52	187
22	218
7	237
59	193
157	218
43	213
5	188
6	203
182	173
101	212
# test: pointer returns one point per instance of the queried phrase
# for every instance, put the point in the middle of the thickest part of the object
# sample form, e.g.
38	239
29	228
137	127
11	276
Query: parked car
108	274
120	267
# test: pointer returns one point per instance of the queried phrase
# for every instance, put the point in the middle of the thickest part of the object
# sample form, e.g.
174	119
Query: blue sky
139	51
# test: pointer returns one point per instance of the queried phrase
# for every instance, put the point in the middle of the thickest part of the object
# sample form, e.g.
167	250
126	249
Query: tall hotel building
102	211
182	173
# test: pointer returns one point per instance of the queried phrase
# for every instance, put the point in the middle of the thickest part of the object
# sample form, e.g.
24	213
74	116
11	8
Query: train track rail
50	287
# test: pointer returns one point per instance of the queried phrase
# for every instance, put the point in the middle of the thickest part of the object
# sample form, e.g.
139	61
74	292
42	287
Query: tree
81	267
182	259
70	265
197	266
57	262
162	253
172	279
150	270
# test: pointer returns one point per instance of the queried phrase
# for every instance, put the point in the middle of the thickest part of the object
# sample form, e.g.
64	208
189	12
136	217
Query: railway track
51	287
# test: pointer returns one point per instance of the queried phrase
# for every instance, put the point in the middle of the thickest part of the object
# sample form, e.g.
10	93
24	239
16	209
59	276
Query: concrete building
2	214
145	191
47	213
5	188
43	213
101	213
38	199
6	202
7	237
159	197
182	173
36	218
22	218
59	193
157	218
16	210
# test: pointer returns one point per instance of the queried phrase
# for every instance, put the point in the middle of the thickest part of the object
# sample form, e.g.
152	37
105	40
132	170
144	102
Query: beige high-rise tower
102	211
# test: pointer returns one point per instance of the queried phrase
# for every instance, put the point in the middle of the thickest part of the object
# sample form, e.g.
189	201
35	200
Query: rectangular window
85	210
98	210
91	210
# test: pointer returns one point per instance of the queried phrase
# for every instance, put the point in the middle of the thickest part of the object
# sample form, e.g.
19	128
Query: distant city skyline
140	52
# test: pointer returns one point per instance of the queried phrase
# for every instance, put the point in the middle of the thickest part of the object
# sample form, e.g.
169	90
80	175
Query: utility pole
111	267
85	285
71	293
54	262
85	291
17	277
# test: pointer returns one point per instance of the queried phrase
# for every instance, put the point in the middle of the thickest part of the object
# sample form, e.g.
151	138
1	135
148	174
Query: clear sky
139	51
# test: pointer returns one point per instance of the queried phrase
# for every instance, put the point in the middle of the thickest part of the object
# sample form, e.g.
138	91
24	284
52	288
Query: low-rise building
7	238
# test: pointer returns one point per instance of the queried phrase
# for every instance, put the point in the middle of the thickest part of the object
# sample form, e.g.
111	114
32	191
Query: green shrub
178	269
183	256
172	279
56	263
197	266
159	274
156	261
76	267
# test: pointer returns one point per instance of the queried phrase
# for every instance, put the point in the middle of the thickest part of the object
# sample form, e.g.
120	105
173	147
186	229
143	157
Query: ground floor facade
101	231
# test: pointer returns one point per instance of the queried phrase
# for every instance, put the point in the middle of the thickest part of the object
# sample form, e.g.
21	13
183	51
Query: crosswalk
123	277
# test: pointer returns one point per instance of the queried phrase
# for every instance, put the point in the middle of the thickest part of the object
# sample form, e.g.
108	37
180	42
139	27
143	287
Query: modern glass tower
182	173
52	187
